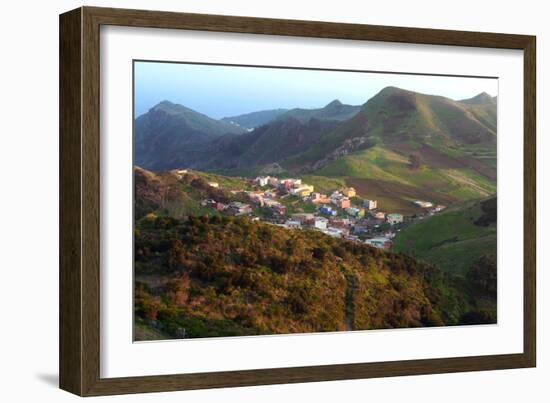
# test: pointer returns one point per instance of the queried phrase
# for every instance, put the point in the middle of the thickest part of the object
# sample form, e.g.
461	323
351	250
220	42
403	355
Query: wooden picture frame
80	184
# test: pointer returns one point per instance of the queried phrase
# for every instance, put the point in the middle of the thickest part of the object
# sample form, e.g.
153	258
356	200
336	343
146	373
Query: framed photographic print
250	201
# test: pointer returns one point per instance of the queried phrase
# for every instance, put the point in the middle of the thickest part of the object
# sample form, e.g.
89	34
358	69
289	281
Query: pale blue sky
220	91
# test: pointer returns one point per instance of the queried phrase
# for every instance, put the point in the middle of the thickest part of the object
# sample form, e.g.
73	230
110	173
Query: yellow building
302	191
349	192
306	190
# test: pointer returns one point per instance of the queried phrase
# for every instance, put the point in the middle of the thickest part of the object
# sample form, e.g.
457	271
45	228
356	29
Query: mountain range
333	111
405	121
171	135
415	144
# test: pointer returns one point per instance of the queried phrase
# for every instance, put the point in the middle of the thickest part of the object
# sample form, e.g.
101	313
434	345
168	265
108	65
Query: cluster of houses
347	227
332	226
336	215
234	208
267	199
291	186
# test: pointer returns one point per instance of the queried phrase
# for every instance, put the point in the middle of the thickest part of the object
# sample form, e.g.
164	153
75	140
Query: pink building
344	203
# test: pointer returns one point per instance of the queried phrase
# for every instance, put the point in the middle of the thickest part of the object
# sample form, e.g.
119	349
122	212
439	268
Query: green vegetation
395	117
382	164
324	184
266	144
435	148
223	276
452	239
166	193
294	204
463	243
225	182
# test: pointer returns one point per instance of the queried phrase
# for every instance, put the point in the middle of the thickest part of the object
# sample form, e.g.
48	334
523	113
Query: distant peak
483	96
334	103
169	107
480	98
164	103
393	90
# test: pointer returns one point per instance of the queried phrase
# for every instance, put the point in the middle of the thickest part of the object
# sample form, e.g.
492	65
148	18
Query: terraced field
388	176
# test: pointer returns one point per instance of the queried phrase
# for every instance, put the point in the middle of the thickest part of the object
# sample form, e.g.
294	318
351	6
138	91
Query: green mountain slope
484	108
255	119
388	176
266	144
453	239
404	146
405	121
175	195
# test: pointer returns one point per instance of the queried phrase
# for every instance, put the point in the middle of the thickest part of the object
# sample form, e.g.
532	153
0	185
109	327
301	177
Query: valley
243	225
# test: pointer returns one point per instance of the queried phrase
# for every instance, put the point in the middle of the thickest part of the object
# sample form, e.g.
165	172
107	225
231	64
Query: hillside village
294	204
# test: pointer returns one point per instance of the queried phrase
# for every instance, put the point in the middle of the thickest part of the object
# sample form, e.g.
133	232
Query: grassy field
380	163
226	182
324	184
393	197
451	239
388	177
294	204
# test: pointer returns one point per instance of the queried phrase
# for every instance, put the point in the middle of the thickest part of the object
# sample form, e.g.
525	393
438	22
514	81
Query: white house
333	232
370	204
423	204
292	224
381	243
320	223
262	180
394	218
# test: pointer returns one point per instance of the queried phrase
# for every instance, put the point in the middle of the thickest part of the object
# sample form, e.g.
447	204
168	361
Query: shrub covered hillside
223	276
